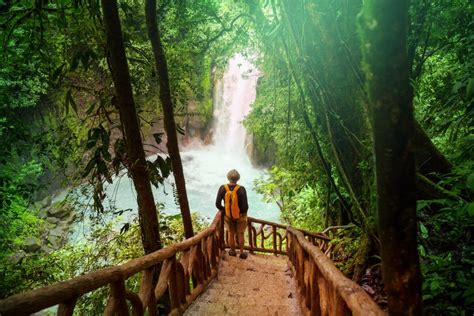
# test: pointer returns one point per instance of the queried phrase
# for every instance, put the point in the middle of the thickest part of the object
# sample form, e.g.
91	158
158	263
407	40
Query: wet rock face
55	228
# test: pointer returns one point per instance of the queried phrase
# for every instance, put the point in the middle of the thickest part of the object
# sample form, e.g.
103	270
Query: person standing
235	211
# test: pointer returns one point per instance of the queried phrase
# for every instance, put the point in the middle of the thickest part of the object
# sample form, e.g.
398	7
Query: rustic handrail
277	233
200	260
323	289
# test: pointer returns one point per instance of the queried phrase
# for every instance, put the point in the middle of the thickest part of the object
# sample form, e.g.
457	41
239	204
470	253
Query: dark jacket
241	195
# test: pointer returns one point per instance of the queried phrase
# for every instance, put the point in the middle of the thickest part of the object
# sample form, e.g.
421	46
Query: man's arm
243	203
219	198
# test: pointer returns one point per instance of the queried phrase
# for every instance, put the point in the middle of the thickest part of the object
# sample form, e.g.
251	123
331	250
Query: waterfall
206	166
234	94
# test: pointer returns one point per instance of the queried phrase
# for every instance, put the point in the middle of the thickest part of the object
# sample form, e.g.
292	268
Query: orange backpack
231	202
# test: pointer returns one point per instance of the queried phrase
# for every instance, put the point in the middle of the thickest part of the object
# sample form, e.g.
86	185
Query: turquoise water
205	170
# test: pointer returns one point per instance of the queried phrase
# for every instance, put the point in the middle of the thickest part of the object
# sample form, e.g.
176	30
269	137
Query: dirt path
259	285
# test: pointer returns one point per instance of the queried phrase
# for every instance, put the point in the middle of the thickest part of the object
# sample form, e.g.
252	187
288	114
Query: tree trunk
167	105
384	35
429	161
136	155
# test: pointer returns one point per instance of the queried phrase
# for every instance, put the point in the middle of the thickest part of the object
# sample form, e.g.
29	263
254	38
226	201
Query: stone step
259	285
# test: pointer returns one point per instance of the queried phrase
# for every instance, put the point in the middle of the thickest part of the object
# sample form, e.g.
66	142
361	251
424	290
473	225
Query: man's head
233	175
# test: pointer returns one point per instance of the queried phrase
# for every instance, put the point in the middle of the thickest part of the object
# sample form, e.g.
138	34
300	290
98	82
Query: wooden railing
258	231
188	267
199	262
323	289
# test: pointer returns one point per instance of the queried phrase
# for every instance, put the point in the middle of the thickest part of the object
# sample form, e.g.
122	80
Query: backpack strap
227	188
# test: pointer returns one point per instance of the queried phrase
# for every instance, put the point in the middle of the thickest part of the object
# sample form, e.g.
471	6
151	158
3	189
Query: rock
59	211
46	227
55	242
58	232
31	244
44	203
43	212
47	249
16	257
52	220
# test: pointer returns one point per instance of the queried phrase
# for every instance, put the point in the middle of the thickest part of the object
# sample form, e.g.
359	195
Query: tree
384	40
168	116
125	101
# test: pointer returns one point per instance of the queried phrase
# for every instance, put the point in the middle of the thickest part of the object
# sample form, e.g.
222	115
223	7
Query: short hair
233	175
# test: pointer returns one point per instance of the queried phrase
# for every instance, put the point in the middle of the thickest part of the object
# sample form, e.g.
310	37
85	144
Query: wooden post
221	231
173	286
262	240
181	283
67	308
315	309
205	259
137	304
274	240
249	229
307	280
117	305
214	252
254	236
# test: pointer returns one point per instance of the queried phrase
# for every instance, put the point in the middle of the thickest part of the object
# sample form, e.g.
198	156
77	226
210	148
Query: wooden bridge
198	265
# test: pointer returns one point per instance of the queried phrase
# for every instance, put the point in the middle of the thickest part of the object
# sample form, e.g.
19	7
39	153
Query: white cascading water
206	166
233	95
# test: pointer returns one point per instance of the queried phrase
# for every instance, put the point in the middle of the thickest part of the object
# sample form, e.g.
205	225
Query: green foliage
447	264
443	104
105	246
345	244
442	52
58	116
300	204
17	182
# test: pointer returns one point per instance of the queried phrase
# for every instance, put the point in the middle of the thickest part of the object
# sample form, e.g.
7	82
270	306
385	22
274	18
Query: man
235	210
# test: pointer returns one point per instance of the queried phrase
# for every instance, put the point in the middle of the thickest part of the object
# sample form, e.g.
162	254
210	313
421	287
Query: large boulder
60	211
31	244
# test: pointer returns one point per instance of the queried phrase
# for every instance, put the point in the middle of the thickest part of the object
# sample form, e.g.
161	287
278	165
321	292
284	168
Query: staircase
243	288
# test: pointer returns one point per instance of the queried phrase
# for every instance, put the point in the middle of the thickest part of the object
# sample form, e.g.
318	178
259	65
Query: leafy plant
447	264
